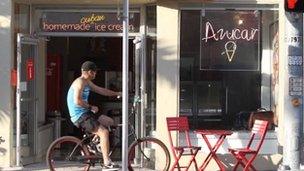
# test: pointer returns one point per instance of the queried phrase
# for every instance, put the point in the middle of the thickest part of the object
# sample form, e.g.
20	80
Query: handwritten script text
234	34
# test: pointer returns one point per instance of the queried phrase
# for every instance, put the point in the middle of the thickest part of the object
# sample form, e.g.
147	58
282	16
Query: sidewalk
43	167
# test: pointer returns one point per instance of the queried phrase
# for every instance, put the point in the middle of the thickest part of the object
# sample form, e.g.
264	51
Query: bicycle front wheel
148	153
67	153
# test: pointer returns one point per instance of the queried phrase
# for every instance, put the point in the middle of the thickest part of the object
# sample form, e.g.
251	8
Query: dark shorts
87	122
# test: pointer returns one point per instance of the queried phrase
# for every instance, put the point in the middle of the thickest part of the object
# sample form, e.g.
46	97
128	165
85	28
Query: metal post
137	43
293	92
18	100
143	95
125	95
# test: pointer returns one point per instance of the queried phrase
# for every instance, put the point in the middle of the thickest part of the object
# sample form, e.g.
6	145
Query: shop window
151	19
224	62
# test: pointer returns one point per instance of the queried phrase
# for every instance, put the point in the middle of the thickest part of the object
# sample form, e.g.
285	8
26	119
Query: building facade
212	61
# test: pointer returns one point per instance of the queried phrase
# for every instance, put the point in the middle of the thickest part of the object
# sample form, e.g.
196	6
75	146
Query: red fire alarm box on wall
54	82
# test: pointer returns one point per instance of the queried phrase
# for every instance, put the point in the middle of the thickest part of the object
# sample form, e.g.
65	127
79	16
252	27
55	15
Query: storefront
213	62
52	41
226	56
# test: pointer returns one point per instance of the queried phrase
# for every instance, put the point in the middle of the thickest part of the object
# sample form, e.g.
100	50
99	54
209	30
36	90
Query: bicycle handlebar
135	100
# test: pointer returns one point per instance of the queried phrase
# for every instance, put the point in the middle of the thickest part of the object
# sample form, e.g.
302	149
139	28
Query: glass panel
190	46
151	19
186	99
28	53
150	70
187	68
209	98
151	85
190	42
220	98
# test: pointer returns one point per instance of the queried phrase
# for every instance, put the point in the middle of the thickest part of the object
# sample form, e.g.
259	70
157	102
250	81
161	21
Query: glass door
139	73
144	69
145	84
26	120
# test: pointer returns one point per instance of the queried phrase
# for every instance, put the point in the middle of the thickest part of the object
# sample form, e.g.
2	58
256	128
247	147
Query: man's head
89	68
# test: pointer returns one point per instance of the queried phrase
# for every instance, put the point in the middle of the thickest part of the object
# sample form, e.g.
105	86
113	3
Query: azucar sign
230	40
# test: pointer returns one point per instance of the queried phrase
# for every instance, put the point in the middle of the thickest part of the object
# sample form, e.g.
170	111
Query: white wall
6	114
167	80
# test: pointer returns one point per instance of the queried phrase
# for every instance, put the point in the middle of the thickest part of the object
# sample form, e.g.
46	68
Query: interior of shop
64	58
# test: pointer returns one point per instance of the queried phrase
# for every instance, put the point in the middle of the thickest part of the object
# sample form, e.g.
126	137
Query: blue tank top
75	110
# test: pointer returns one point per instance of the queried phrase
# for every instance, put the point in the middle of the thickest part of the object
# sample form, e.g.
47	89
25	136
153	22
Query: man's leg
93	126
105	121
103	134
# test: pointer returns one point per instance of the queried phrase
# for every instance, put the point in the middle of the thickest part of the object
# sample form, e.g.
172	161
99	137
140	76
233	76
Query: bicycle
70	151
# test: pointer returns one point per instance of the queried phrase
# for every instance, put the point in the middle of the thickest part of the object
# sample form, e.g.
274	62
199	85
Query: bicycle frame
136	101
77	145
132	129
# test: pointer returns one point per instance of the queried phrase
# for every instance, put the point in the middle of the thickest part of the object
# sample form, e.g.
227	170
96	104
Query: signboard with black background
107	22
230	40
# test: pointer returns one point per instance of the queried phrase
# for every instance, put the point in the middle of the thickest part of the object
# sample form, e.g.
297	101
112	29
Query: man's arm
103	91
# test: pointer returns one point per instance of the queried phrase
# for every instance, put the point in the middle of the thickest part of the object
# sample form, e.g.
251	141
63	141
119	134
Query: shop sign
106	22
30	69
230	40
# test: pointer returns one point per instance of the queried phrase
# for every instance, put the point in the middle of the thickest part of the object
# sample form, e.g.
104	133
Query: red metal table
222	135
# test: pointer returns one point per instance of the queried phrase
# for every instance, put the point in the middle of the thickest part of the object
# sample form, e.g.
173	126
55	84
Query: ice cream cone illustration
230	48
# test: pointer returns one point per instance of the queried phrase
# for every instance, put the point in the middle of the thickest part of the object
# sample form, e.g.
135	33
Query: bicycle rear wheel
148	154
67	153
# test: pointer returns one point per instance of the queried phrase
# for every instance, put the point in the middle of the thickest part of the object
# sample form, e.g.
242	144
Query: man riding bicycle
81	112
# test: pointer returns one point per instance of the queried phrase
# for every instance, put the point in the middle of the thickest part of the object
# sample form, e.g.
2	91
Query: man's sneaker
110	166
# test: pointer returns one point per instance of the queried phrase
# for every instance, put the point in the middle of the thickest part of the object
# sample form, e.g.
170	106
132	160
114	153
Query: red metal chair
258	134
180	124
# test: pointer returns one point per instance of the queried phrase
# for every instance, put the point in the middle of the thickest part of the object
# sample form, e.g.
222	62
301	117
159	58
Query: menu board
230	40
60	21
